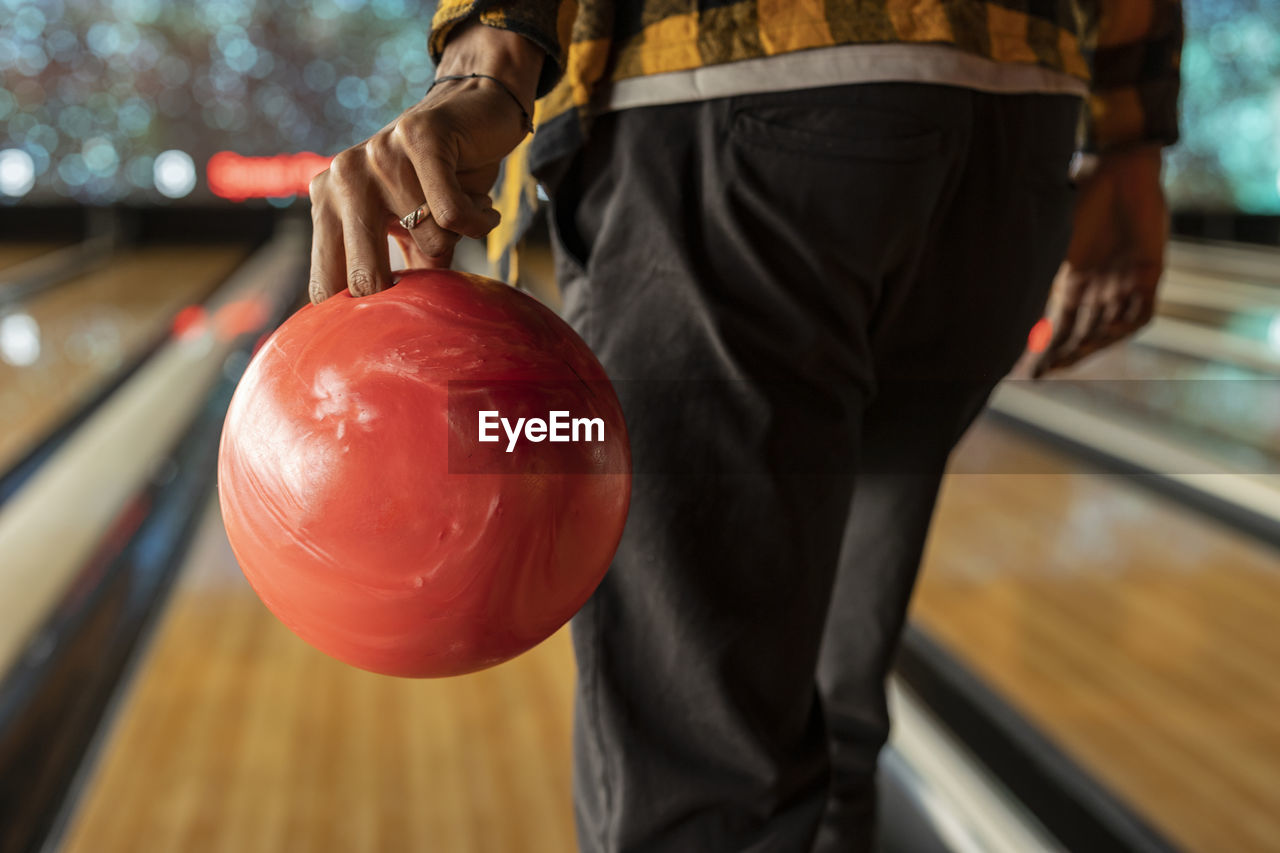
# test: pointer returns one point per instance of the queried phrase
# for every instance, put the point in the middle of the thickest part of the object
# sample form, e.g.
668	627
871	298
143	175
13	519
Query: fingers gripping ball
363	506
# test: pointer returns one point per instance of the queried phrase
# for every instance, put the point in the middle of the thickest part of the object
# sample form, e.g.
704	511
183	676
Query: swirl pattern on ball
366	513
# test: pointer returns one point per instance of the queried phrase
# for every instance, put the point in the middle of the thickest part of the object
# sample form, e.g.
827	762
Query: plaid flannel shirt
1127	50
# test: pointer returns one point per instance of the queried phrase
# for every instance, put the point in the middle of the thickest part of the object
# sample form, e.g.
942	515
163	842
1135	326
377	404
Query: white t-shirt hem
840	65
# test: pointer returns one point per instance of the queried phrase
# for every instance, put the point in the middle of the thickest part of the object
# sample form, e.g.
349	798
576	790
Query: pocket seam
776	137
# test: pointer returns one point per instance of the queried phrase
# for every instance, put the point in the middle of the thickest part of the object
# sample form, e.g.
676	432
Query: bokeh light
189	321
1228	158
17	172
1273	334
174	173
19	339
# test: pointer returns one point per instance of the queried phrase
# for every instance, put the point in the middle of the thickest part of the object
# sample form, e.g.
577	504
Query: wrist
1142	155
474	48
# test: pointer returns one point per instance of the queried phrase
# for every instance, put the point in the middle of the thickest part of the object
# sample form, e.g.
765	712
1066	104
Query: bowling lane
1250	321
1137	634
1239	263
63	343
12	254
1228	412
235	735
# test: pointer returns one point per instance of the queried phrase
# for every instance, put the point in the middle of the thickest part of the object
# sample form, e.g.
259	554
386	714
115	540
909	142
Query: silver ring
411	219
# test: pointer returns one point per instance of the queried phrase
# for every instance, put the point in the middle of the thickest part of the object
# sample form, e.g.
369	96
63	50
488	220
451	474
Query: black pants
804	299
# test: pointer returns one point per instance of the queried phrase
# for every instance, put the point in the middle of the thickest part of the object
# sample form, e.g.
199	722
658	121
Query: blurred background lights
319	75
28	22
386	9
379	91
134	117
352	92
174	70
140	11
325	10
75	121
237	51
40	156
73	171
1227	159
140	172
62	45
8	51
174	103
220	12
103	38
17	172
91	90
19	339
174	173
22	125
1273	334
43	135
31	60
100	156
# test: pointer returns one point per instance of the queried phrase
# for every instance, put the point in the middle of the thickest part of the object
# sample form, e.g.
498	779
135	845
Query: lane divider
1252	499
52	526
968	808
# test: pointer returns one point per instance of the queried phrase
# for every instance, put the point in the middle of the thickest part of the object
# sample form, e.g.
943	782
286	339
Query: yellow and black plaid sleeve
1134	47
544	22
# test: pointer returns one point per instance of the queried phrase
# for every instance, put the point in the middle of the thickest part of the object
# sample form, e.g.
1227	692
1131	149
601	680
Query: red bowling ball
365	509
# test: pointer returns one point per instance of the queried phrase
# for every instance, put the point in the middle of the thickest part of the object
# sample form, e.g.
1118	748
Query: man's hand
444	151
1106	288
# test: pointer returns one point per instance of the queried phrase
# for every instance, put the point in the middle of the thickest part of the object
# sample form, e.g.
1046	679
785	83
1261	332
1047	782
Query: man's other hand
1105	290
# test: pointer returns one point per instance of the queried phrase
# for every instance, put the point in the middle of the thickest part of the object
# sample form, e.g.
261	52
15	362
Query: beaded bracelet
526	121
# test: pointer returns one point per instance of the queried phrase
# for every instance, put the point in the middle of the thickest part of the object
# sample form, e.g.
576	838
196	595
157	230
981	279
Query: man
817	234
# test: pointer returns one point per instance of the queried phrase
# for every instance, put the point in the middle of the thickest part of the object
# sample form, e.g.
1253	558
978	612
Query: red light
1040	335
240	317
189	321
235	177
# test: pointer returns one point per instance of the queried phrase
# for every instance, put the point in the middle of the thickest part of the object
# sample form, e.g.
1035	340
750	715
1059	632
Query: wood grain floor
1143	638
91	326
12	254
236	737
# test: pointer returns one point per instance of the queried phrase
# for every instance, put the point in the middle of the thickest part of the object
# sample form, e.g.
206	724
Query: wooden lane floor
235	736
84	330
1141	637
12	254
